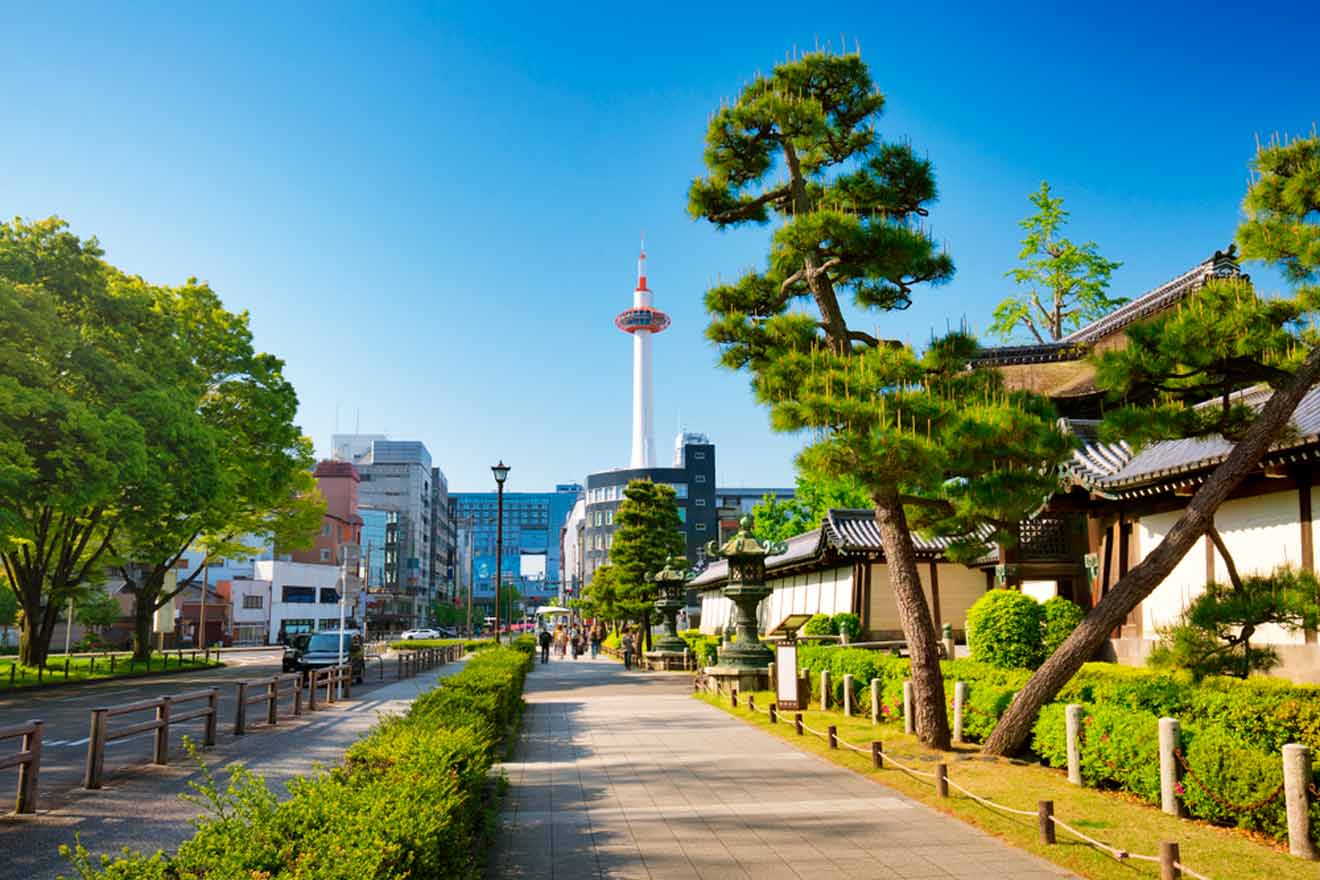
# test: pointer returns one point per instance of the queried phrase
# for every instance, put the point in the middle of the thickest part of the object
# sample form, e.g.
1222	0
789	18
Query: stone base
736	678
665	660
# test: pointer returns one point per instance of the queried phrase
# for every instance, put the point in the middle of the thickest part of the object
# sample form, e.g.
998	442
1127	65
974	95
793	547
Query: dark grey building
693	479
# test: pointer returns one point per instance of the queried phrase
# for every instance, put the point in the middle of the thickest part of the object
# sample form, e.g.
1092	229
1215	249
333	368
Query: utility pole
206	585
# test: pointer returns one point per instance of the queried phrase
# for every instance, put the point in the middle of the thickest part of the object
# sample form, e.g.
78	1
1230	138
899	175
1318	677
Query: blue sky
432	211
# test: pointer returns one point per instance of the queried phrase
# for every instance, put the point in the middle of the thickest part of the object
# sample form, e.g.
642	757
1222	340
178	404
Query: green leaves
1066	284
649	531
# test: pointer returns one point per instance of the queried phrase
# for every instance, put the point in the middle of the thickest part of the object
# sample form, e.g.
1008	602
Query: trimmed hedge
1004	629
703	647
409	800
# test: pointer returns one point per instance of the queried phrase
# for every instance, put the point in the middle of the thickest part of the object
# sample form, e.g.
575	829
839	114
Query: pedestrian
626	646
559	640
544	639
573	641
597	634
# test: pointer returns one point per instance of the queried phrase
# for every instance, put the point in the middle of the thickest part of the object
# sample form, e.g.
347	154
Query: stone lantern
671	584
746	588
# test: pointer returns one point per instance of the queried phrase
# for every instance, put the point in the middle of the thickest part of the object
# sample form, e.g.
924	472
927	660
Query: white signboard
786	687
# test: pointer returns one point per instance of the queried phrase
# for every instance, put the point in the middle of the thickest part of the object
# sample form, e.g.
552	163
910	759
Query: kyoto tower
642	321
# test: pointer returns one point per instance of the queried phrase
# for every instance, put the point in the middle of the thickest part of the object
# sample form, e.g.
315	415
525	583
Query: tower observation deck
643	321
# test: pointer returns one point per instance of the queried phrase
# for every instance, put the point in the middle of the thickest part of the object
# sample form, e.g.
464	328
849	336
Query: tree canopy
648	531
1064	284
815	495
928	438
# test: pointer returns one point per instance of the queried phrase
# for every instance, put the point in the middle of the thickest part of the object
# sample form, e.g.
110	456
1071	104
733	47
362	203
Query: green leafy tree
1213	636
648	531
97	609
8	610
936	445
1220	341
237	466
1064	285
77	358
600	597
815	495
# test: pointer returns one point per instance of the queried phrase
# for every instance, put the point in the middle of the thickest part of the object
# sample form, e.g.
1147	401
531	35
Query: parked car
321	650
447	632
411	634
296	644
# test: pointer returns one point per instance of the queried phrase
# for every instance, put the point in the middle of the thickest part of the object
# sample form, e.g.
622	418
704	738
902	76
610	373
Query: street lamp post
501	472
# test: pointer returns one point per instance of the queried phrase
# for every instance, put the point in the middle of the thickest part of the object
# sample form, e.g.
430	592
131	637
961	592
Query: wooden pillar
866	596
935	593
1308	536
1107	564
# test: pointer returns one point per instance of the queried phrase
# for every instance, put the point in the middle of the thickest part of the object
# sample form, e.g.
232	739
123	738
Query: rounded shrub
1061	618
1004	629
849	624
1225	771
820	625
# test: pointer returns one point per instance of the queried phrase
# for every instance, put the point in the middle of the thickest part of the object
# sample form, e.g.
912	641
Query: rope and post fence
1169	857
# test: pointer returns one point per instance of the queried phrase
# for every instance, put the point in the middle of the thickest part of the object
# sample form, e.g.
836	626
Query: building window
329	623
699	456
293	626
609	517
301	595
699	478
680	490
325	530
329	595
325	554
700	502
701	527
252	601
682	514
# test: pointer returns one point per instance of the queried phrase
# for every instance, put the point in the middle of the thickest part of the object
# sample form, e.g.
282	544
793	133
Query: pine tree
937	446
648	532
1065	284
1219	341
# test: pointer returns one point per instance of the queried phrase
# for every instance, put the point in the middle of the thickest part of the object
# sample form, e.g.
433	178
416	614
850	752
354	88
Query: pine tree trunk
1013	729
932	722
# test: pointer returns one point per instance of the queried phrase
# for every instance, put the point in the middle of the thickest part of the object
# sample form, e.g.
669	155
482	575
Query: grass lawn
1115	819
93	668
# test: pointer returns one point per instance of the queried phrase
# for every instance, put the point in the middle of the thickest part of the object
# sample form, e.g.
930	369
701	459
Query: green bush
820	625
849	624
409	800
1004	629
470	646
1238	774
1061	617
703	647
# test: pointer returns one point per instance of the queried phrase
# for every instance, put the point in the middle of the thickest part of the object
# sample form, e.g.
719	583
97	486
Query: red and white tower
642	321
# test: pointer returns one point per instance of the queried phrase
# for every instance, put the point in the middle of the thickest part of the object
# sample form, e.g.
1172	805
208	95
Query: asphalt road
139	806
66	711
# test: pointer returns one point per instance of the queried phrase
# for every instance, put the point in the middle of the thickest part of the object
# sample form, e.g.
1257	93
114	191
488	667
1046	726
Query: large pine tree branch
1011	733
751	208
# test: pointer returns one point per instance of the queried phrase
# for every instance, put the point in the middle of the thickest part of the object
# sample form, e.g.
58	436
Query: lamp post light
746	588
501	472
670	582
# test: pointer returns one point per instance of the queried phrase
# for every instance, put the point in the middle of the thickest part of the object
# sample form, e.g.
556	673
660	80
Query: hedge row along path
141	809
623	774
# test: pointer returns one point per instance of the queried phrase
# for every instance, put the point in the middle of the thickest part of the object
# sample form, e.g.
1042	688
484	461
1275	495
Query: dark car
321	650
296	644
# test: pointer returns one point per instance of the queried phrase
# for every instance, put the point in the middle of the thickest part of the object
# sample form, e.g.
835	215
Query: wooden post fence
27	760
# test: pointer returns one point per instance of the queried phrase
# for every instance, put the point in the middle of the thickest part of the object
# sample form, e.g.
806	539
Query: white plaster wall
960	586
817	592
1041	590
1261	533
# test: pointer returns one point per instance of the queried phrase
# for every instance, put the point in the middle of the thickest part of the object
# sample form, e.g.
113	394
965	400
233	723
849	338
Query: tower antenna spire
642	321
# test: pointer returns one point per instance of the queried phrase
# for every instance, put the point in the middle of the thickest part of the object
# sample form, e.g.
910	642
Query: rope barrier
1115	852
1227	805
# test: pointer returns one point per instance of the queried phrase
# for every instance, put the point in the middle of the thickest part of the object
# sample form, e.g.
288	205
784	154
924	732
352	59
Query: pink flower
1178	788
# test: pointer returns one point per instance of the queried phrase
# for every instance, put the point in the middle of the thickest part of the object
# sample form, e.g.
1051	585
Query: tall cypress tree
938	446
649	531
1220	341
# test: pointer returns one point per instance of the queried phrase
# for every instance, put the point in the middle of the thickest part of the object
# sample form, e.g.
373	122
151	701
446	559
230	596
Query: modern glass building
532	521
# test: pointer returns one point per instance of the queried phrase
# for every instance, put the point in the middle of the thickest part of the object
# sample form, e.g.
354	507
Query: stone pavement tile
862	866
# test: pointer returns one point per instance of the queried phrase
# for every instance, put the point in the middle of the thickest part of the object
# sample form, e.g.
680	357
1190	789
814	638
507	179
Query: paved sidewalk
139	807
624	774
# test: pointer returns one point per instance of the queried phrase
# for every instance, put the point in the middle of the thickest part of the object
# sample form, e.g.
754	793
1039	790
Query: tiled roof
1108	467
855	531
1221	264
800	547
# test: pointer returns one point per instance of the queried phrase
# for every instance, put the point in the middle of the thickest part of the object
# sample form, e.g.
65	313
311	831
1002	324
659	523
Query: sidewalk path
624	774
140	808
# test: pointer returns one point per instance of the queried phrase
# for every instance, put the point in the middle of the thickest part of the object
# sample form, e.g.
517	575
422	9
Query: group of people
575	639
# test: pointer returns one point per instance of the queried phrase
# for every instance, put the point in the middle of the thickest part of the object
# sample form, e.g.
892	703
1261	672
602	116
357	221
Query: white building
572	562
251	604
304	597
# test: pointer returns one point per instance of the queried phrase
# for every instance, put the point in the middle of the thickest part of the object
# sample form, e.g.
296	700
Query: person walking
573	636
559	640
626	646
544	639
597	634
